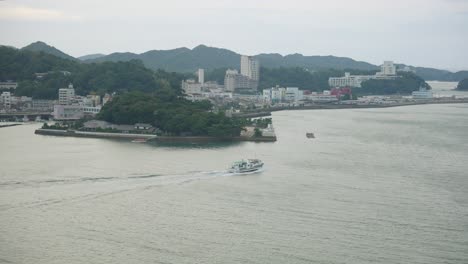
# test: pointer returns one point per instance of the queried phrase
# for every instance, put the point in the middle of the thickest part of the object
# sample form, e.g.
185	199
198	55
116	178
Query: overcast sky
432	33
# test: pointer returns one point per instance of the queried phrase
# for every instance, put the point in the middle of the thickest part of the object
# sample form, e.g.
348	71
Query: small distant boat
310	135
139	140
243	166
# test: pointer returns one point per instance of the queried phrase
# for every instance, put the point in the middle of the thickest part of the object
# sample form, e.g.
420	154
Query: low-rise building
5	100
8	85
143	126
190	86
293	94
68	112
74	112
422	93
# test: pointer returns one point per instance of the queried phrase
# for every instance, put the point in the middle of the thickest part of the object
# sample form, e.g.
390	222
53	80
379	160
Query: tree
463	85
404	84
257	132
171	114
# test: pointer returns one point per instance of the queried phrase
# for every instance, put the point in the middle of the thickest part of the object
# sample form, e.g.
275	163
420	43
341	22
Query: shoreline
268	111
150	138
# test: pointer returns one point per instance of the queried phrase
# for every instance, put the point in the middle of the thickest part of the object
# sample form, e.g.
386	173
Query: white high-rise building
66	95
388	68
250	67
230	80
201	76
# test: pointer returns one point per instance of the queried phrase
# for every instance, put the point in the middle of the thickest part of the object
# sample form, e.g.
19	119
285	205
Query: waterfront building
74	112
66	95
322	98
8	85
42	105
275	94
349	80
423	93
68	112
250	67
293	94
5	100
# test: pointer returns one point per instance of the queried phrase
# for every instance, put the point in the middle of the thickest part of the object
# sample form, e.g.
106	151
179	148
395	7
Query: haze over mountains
209	58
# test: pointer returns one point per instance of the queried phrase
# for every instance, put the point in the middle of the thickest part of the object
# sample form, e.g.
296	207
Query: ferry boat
249	165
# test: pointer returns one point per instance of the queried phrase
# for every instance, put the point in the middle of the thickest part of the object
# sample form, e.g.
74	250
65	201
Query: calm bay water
375	186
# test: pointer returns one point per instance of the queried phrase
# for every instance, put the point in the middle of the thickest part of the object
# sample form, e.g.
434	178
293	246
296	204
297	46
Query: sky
429	33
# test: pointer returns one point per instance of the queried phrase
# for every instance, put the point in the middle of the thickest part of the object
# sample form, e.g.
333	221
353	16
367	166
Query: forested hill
21	66
41	46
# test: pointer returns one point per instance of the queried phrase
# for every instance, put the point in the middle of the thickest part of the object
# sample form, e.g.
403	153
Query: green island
172	114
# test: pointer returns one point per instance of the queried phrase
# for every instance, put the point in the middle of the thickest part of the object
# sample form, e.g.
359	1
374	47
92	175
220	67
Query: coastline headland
154	138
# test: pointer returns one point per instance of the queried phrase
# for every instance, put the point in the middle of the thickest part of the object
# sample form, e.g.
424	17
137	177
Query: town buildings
247	80
191	86
73	107
387	72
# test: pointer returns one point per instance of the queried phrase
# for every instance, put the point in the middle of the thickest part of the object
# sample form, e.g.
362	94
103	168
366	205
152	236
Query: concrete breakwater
9	125
168	139
74	133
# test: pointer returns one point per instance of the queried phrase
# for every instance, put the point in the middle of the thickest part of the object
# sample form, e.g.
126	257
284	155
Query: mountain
43	47
313	62
431	74
91	56
180	59
209	58
21	66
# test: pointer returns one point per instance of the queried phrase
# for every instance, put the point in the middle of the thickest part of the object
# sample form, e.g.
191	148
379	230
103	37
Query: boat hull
245	170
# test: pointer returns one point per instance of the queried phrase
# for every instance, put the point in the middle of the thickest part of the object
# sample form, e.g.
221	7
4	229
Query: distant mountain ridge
91	56
209	58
